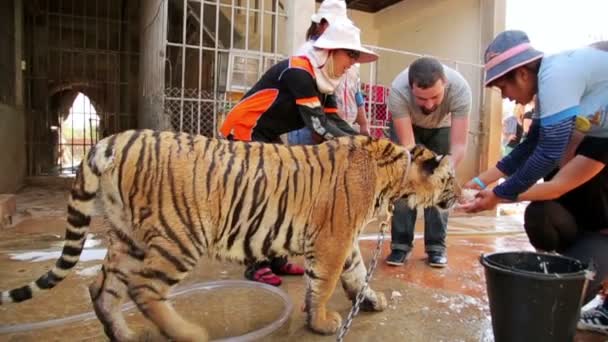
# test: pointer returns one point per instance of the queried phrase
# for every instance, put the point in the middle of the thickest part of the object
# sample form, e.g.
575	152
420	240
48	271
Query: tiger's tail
80	208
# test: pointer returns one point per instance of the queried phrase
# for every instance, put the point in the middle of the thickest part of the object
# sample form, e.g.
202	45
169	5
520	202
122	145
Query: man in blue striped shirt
570	84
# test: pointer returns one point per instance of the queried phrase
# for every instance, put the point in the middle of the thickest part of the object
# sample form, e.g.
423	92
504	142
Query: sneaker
595	320
289	269
263	275
595	302
437	259
398	257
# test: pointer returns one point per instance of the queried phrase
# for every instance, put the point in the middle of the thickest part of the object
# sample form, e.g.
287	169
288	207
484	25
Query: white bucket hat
330	10
343	34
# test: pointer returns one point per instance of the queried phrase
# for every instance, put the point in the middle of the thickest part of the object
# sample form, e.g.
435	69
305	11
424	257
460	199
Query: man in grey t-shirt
430	105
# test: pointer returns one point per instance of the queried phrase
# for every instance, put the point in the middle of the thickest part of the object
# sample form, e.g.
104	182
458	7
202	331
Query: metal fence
217	50
71	48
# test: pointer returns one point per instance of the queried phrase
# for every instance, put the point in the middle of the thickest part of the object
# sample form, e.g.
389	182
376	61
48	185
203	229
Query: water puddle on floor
89	253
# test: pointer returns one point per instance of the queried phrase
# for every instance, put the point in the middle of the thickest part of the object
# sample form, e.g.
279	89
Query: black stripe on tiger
195	198
112	293
315	153
121	168
236	213
229	225
104	277
296	172
280	168
74	235
138	176
191	226
331	153
133	291
288	237
165	225
192	236
191	142
81	195
282	210
89	160
334	215
76	218
347	195
110	147
48	281
211	169
65	264
312	275
311	170
133	250
178	141
157	274
20	294
388	150
179	265
395	158
78	191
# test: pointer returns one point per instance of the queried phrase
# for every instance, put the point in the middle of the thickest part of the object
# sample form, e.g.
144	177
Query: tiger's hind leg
323	265
110	288
149	286
353	280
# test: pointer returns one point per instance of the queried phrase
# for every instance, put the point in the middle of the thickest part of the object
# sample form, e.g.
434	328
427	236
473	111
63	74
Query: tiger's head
431	180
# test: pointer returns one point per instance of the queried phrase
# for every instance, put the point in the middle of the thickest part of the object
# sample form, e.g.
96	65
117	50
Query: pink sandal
265	275
290	269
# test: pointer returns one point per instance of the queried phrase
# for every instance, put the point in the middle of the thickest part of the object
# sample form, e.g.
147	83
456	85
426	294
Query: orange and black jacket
285	99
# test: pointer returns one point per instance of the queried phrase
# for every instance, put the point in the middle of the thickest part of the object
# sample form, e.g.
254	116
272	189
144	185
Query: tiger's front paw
327	326
375	301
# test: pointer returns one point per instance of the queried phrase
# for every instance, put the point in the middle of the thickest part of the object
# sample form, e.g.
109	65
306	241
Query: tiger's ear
429	165
417	151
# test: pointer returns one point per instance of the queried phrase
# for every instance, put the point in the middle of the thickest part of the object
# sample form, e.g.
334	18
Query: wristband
479	182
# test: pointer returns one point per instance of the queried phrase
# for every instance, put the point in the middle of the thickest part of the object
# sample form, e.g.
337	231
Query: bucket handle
590	273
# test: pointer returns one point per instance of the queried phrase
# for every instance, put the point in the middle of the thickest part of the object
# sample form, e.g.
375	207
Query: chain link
361	295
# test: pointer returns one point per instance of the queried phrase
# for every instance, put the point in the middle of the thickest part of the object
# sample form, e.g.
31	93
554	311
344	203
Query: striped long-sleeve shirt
570	84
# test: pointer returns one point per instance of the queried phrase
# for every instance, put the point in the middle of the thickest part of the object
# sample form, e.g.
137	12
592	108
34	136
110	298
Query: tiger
171	198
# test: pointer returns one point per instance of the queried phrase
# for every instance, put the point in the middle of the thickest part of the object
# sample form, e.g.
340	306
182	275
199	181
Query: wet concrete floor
425	304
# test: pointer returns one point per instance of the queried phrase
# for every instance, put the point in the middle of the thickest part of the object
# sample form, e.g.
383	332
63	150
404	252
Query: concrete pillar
12	118
493	22
19	85
152	51
298	21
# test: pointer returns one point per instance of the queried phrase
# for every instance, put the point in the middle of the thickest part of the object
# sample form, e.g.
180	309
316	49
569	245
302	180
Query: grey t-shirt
456	102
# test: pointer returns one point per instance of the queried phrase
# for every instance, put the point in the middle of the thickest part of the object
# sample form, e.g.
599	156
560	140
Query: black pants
552	227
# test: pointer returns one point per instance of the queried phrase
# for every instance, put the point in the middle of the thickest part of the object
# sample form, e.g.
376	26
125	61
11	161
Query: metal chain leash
361	295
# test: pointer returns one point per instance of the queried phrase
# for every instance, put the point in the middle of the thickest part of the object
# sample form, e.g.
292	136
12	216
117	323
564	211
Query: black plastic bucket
533	296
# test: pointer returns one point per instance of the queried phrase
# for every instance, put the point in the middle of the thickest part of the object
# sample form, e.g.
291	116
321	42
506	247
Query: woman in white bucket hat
292	94
348	95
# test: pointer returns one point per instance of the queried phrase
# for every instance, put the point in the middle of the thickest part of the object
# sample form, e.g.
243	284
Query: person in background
528	116
512	129
351	105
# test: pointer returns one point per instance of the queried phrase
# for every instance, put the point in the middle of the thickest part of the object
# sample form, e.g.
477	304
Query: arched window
78	132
